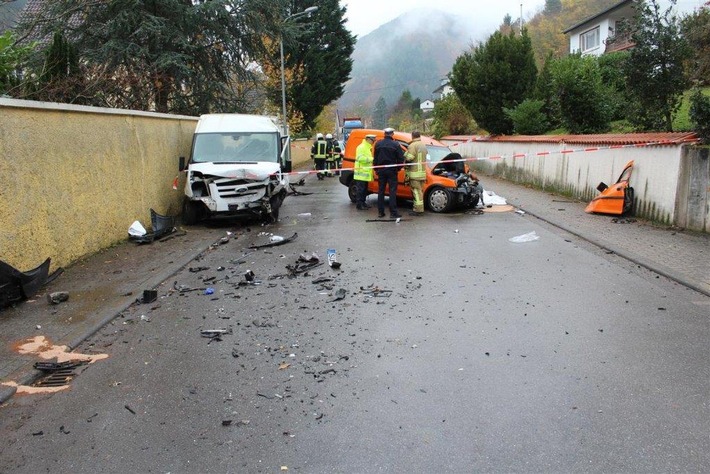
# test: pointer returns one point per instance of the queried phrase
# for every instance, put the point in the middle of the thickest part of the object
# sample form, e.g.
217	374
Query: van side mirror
181	163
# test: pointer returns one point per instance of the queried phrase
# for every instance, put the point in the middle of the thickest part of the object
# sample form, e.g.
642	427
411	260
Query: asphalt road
451	349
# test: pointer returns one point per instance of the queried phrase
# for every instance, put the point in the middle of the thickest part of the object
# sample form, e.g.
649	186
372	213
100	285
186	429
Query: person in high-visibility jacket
416	171
332	152
319	154
362	171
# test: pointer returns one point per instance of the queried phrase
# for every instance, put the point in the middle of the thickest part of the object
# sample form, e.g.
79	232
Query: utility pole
521	19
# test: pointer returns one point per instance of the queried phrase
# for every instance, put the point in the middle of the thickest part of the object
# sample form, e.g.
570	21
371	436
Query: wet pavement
105	284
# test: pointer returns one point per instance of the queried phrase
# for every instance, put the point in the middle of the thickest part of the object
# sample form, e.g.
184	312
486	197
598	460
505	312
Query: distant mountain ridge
414	51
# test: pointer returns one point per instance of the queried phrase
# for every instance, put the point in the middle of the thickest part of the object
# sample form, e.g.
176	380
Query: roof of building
656	138
618	6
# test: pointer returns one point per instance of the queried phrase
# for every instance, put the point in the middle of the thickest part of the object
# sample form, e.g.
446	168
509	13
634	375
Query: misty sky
482	16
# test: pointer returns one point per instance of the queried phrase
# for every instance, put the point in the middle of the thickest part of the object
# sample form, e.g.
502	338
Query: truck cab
350	124
237	167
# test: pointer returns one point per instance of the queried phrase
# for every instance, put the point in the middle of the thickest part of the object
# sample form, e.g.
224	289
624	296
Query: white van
237	167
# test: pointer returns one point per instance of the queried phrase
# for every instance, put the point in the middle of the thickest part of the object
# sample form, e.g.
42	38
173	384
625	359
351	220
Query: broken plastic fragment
136	229
57	297
529	237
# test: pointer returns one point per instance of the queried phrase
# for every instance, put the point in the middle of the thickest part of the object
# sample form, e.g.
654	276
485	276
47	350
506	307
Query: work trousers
387	177
418	195
361	192
320	166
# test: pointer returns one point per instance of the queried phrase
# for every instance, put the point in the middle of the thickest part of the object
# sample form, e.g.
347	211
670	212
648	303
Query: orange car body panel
612	199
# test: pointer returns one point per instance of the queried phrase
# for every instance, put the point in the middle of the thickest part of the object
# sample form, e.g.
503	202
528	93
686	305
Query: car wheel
352	192
190	212
439	199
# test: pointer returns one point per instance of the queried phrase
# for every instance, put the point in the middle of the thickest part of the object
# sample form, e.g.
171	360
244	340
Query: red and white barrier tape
566	151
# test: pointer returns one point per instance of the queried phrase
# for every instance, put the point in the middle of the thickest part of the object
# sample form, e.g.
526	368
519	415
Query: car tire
190	212
439	199
352	191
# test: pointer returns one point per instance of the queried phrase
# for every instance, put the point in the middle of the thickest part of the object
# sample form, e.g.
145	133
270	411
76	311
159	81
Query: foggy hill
414	51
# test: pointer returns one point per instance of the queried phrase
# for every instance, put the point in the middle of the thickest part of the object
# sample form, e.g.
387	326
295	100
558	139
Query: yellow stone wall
73	179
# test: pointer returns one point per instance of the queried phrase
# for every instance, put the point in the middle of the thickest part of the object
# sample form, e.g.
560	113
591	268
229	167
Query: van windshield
235	147
436	153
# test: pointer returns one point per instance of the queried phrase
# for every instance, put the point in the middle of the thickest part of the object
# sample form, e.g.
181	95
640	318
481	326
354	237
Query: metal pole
283	87
307	11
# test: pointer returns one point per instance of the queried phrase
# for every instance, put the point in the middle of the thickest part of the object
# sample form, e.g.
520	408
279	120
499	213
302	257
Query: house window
589	39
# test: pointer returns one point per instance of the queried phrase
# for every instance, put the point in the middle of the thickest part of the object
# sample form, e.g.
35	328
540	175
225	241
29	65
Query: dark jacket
388	152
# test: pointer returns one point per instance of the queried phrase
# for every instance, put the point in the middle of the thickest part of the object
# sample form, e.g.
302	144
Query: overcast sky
484	16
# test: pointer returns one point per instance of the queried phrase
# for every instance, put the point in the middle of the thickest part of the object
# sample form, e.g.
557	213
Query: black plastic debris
149	296
376	291
215	335
58	297
339	294
16	286
161	226
309	258
56	374
249	275
274	244
321	280
185	288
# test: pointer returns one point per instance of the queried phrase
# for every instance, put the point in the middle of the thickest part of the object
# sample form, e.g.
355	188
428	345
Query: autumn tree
405	114
495	75
581	97
379	114
165	55
317	57
451	117
655	67
696	30
12	58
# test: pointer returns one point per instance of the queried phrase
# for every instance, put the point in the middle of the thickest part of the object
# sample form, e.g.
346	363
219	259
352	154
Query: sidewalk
100	287
105	284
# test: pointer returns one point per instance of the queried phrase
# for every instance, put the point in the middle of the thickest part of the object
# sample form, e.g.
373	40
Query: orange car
447	185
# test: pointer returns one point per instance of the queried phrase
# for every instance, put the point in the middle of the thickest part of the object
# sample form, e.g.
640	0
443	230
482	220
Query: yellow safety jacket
362	170
318	150
416	154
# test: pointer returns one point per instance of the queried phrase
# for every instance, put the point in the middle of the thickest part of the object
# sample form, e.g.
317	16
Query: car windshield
436	154
235	147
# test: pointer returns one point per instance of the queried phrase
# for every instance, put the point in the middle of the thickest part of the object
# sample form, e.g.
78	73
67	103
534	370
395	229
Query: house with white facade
601	33
426	106
443	90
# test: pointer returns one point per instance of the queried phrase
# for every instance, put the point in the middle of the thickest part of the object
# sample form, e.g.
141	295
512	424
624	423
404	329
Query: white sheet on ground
490	197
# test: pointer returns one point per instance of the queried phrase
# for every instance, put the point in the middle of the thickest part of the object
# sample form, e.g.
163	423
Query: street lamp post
307	11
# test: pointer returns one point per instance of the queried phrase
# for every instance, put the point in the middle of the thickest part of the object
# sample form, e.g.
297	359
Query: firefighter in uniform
416	172
333	155
319	154
362	171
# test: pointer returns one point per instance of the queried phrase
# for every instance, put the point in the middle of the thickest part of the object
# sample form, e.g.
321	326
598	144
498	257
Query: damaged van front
237	167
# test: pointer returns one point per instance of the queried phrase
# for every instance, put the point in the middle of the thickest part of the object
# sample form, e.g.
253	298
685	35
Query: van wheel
352	192
439	199
190	212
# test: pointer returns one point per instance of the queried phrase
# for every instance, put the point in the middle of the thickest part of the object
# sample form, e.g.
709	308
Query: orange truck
448	182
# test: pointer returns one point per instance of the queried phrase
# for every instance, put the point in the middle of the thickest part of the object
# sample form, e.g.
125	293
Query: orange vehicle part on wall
617	199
